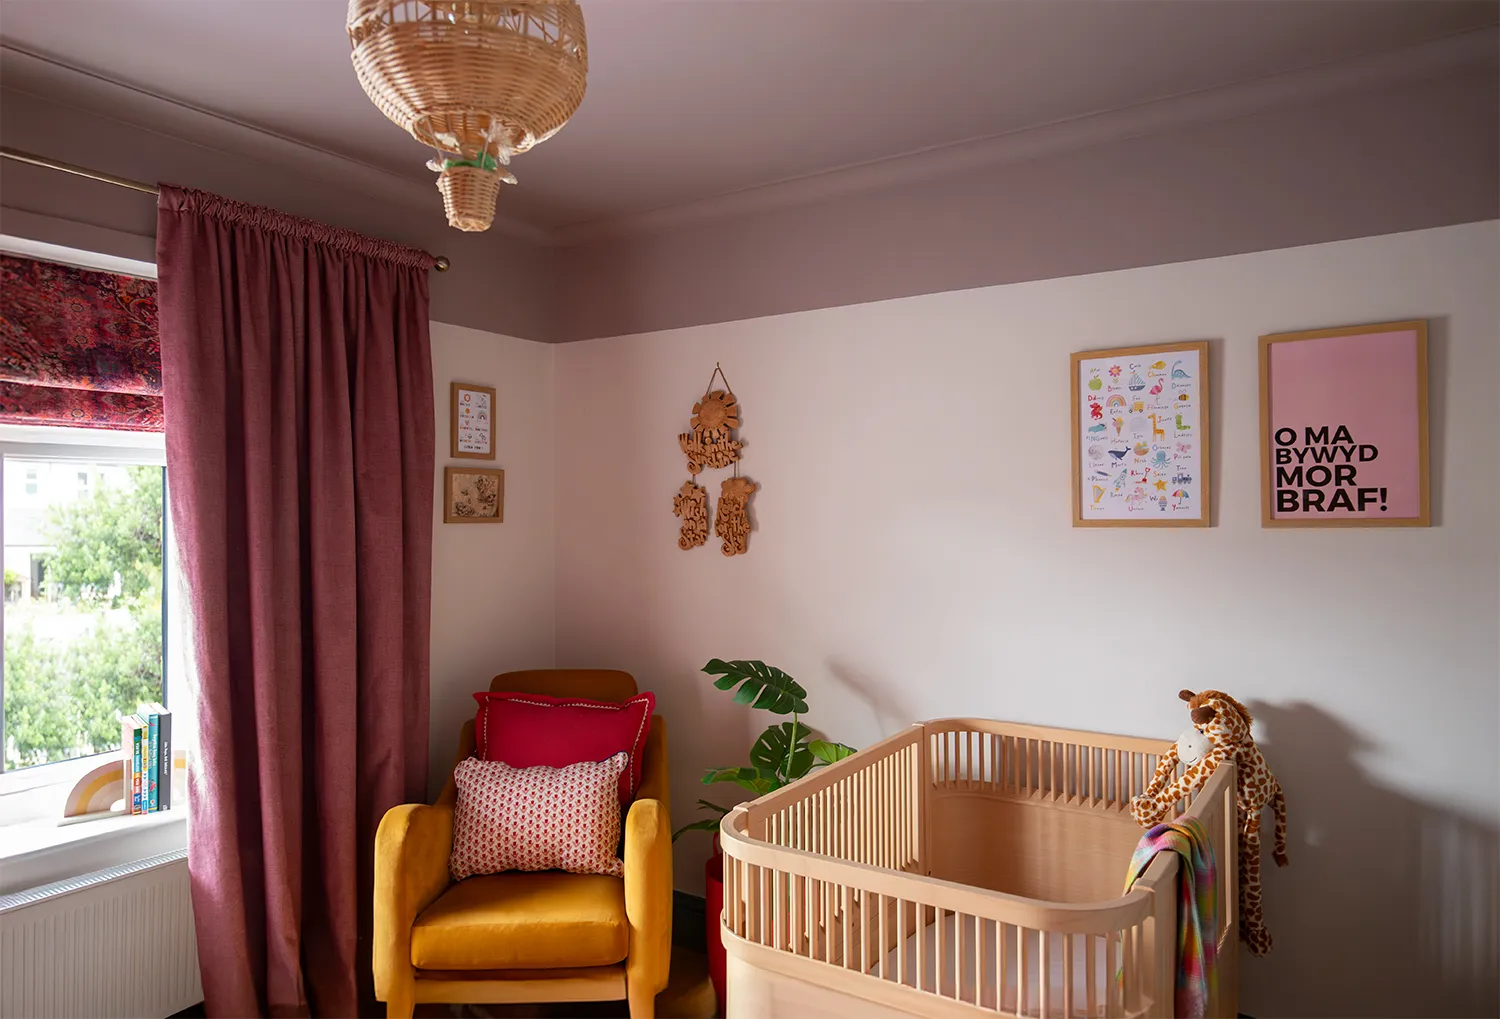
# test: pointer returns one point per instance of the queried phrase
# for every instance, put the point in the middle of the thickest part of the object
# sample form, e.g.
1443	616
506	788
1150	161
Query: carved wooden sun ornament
710	443
716	413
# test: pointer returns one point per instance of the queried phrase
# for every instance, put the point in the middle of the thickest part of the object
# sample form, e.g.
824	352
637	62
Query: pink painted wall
914	557
1401	158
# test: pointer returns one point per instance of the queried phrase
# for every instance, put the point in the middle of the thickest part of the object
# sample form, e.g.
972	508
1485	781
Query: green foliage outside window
64	697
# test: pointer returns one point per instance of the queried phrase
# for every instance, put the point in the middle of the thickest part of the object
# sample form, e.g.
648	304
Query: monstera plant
783	753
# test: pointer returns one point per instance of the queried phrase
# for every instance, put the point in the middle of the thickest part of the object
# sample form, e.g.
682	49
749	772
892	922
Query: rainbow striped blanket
1197	907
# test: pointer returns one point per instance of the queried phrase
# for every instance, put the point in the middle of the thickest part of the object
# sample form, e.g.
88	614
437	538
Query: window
88	571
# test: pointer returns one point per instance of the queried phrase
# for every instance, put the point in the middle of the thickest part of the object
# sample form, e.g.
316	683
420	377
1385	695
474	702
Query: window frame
29	442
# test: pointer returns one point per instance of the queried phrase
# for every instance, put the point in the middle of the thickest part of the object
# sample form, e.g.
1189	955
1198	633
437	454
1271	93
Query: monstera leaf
783	749
755	780
829	753
760	686
708	823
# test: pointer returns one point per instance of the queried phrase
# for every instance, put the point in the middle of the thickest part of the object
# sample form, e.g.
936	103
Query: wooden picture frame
468	500
1366	386
473	438
1162	392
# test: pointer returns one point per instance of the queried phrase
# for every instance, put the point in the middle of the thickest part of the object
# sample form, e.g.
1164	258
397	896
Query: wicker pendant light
477	80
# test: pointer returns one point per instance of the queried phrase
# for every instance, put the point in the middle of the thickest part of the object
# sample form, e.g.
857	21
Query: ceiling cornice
1429	59
53	81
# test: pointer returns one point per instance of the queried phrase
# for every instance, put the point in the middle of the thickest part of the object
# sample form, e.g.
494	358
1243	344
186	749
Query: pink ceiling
693	99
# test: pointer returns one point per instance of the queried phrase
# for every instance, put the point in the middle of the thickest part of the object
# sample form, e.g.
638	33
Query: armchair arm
412	847
648	873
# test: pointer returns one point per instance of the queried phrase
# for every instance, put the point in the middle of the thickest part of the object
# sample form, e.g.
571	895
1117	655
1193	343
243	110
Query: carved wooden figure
711	442
732	522
691	504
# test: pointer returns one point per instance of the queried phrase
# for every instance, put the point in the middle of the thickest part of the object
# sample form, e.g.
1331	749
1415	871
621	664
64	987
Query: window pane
83	604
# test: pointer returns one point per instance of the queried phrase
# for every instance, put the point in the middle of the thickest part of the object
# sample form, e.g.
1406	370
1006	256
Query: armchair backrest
595	684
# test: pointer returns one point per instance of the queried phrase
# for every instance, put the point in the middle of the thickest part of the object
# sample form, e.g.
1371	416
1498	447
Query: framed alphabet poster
473	424
1343	417
1140	436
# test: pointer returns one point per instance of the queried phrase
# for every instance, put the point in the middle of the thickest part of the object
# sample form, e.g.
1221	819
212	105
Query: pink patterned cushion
537	818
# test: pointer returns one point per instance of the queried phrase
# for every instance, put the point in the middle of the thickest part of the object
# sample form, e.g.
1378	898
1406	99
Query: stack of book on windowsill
147	745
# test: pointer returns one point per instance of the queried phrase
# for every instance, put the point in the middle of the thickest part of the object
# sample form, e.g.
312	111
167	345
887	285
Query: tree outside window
83	639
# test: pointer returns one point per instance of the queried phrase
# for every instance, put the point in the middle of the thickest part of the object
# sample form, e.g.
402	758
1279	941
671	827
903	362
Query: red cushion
526	730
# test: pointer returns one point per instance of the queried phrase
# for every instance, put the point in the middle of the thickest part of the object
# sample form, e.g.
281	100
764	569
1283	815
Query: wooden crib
963	867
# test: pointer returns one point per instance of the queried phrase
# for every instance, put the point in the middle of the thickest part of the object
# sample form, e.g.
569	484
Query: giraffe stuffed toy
1225	724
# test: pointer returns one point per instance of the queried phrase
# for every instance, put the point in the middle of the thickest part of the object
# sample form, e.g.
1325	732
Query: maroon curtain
78	347
300	427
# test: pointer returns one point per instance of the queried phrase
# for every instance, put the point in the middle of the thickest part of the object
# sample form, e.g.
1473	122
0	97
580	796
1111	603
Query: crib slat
924	948
901	941
1091	993
1112	1004
959	952
1001	960
1127	966
1044	983
978	961
1067	995
1023	965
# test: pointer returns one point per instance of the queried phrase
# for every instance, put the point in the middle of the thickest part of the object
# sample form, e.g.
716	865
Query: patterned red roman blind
78	348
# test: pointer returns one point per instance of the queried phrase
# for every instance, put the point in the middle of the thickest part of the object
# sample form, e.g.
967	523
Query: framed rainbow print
1343	427
1140	436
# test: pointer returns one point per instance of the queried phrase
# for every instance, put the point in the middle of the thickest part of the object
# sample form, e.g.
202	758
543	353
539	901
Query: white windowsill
40	852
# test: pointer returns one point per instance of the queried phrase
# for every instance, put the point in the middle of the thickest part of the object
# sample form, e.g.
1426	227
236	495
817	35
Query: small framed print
473	422
1343	427
473	495
1140	436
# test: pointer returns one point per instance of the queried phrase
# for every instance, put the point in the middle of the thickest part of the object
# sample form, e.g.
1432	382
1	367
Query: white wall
914	558
492	584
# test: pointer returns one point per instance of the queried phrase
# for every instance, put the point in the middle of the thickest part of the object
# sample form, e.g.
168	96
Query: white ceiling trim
104	97
1225	102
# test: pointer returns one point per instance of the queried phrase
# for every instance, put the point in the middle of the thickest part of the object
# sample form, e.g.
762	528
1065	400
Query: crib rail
1037	763
865	812
828	881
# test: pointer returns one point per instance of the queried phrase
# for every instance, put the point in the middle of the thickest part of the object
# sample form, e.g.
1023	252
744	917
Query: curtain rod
440	262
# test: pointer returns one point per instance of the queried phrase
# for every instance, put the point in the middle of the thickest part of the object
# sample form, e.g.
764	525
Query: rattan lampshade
477	80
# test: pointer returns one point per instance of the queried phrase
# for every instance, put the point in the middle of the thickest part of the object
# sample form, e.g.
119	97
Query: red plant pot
713	894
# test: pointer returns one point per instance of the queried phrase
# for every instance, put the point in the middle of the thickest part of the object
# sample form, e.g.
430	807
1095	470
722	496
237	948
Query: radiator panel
118	942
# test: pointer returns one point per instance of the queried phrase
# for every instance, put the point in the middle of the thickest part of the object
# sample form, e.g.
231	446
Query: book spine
164	781
135	753
153	758
128	763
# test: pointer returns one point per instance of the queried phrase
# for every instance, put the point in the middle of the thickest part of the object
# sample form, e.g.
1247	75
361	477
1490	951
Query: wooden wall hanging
691	504
710	443
732	523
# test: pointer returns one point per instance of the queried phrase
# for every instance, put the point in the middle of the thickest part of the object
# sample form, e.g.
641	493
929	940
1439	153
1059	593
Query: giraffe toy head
1218	716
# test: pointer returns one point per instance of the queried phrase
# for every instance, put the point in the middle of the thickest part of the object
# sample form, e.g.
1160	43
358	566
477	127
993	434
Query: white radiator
118	942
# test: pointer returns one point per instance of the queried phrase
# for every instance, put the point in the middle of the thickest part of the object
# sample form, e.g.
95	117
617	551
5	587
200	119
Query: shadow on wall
890	712
1390	906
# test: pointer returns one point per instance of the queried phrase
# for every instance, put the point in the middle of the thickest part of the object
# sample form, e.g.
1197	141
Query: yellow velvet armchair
526	937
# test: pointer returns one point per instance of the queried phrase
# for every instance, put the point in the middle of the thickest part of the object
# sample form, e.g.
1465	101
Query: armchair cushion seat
517	920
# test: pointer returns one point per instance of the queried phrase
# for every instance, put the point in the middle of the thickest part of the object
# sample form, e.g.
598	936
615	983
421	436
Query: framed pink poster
1343	418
